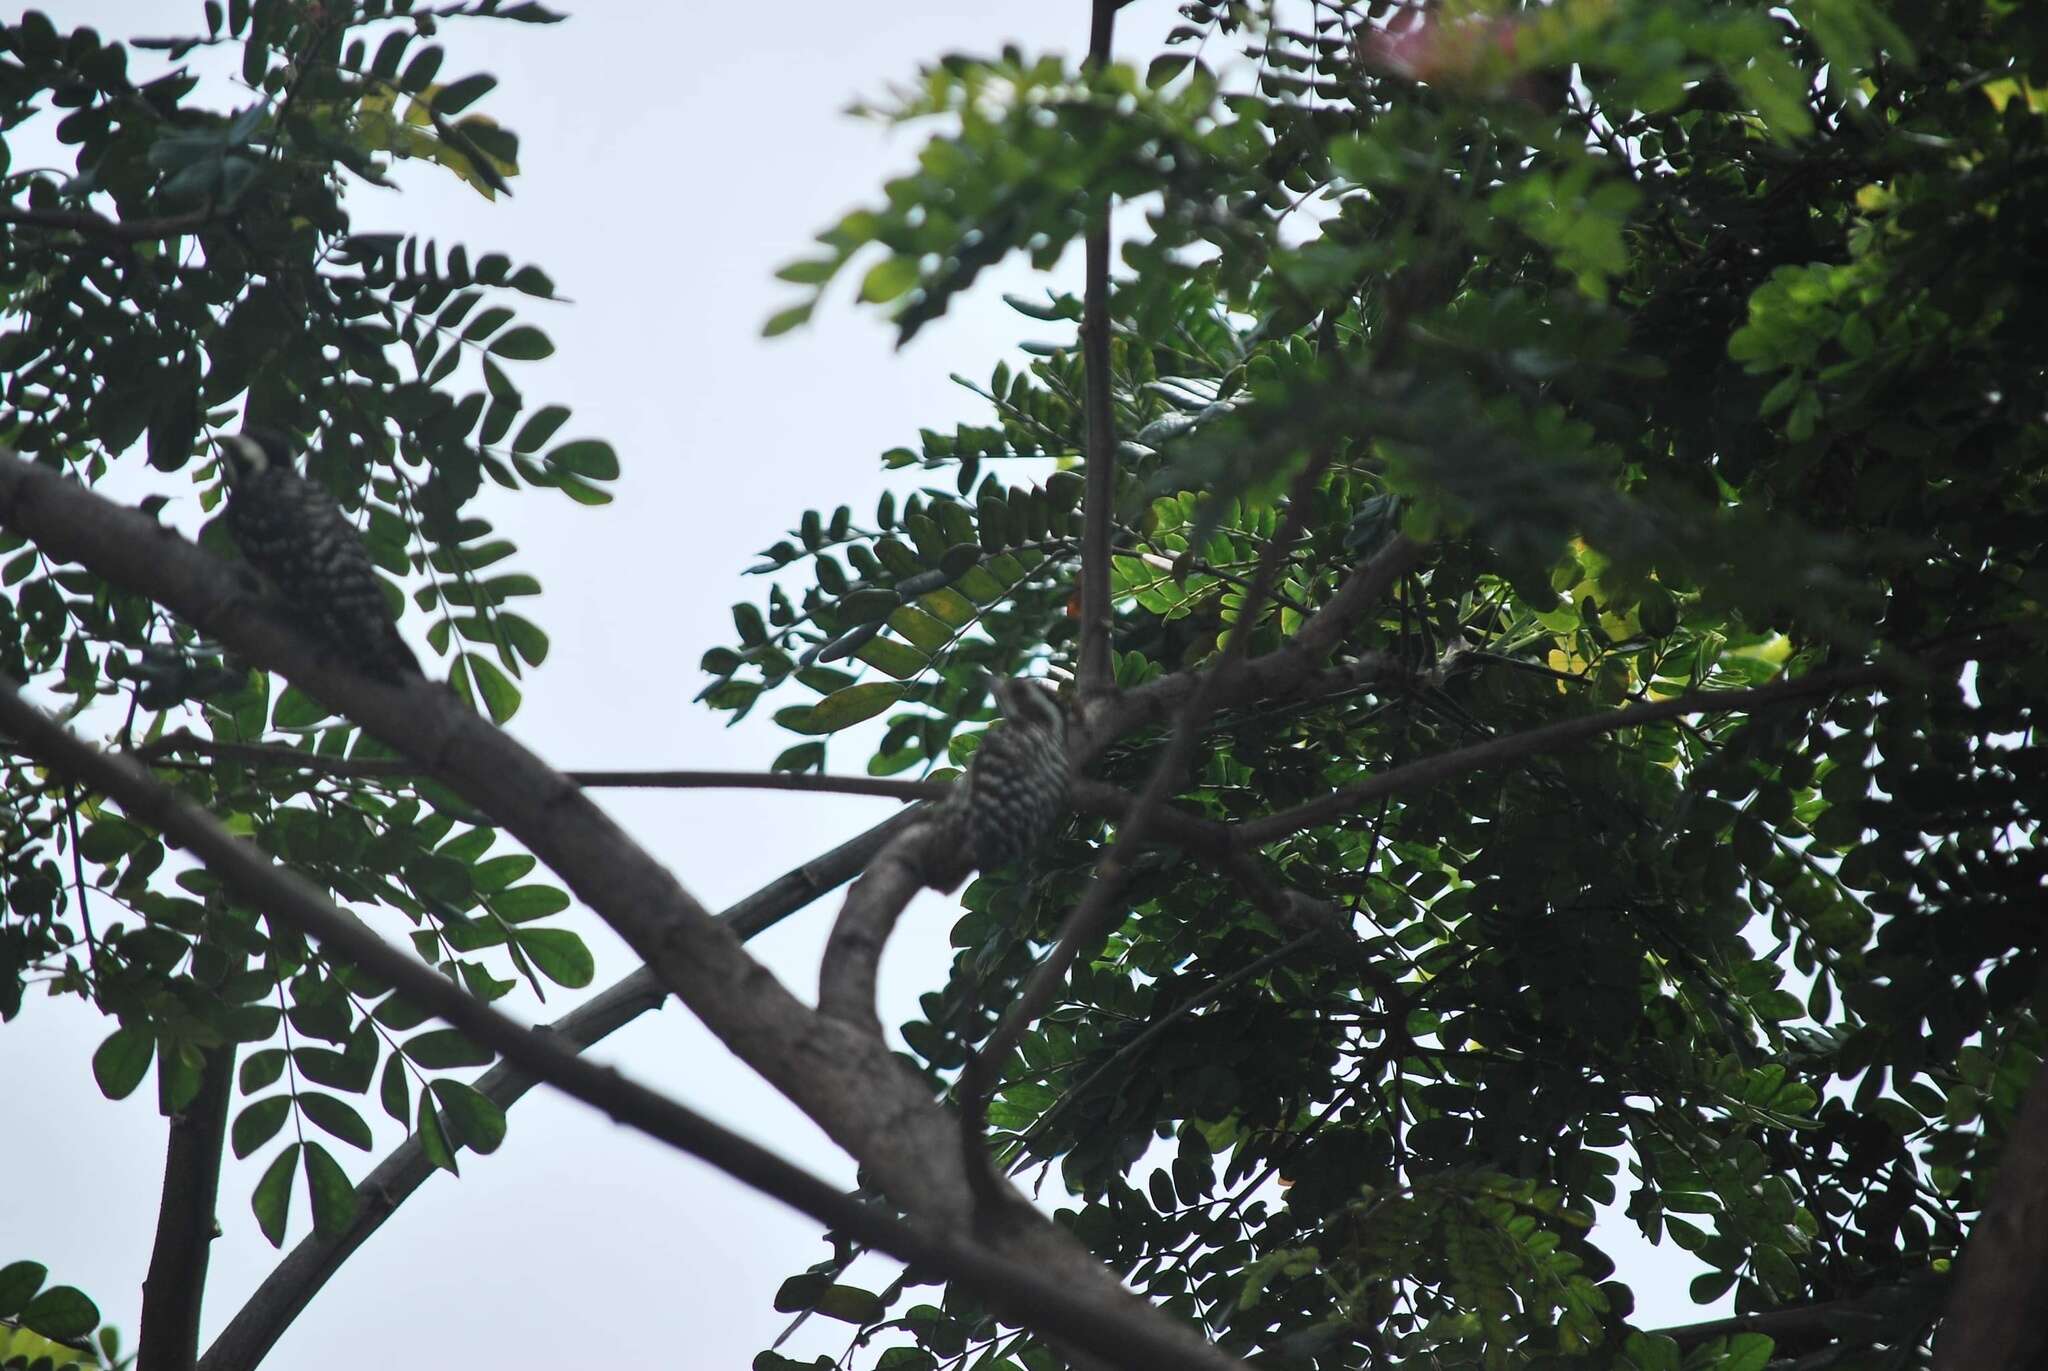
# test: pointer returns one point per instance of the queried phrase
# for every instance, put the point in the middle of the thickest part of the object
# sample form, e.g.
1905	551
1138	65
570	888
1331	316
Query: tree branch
175	1287
373	768
306	1269
1099	502
1007	1285
848	1082
1567	733
924	855
1996	1315
99	226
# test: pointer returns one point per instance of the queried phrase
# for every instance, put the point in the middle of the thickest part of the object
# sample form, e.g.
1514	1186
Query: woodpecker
1015	789
290	529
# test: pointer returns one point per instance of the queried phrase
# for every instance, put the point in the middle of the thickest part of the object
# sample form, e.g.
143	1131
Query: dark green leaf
122	1061
19	1282
560	955
62	1313
258	1124
273	1197
336	1117
441	1048
472	1117
334	1199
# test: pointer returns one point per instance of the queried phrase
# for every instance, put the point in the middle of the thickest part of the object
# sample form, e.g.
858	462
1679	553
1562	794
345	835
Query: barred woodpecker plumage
290	529
1015	789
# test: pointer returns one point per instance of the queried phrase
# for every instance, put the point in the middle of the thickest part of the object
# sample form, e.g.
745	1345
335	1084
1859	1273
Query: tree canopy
1536	516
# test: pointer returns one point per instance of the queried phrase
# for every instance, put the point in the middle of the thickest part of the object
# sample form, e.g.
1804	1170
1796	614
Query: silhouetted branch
99	226
1997	1313
167	1338
1098	509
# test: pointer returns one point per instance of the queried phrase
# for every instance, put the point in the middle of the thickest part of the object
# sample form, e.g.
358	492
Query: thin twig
379	768
99	226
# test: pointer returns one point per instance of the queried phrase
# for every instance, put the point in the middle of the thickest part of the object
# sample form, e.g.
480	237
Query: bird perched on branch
1015	789
290	529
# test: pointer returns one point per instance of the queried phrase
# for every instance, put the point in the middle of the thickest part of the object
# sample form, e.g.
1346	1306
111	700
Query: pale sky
672	157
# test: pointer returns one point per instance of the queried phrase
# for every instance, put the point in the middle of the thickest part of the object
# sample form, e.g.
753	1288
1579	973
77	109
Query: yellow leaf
2000	94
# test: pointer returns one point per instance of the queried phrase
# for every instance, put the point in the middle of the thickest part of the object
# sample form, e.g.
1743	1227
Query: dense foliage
1693	341
194	269
1700	341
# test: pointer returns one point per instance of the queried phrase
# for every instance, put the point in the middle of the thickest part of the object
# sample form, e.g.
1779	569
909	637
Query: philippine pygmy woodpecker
290	529
1015	789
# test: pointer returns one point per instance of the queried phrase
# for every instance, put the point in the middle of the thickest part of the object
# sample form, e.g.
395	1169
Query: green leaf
458	96
560	955
19	1282
394	1089
337	1117
122	1061
472	1116
1164	69
522	903
273	1197
296	709
261	1068
782	321
1747	1352
887	279
433	1139
442	1048
814	271
892	658
259	1123
539	427
1711	1286
61	1312
850	1304
334	1199
523	344
419	73
501	697
845	708
590	458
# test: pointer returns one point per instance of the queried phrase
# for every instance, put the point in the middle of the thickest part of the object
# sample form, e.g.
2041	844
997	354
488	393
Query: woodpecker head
1029	704
252	452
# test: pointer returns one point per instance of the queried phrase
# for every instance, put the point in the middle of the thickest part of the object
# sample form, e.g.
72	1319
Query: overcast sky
672	157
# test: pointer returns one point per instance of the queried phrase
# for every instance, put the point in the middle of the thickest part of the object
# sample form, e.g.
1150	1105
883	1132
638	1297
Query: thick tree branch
1099	500
1568	733
927	854
1018	1288
848	1082
172	1291
306	1269
1997	1314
